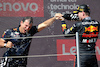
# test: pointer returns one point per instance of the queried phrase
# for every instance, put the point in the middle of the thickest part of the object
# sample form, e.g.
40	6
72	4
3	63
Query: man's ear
21	22
83	13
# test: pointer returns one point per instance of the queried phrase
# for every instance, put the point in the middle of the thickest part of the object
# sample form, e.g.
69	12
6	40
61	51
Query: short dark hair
28	17
87	13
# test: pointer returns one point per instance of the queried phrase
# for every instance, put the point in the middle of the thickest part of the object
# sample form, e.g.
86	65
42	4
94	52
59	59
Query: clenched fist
59	16
9	44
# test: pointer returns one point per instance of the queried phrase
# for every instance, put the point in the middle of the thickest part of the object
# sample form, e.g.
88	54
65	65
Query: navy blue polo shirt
21	44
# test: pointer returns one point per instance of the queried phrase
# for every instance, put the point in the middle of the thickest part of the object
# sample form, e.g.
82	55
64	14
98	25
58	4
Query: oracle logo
18	6
21	8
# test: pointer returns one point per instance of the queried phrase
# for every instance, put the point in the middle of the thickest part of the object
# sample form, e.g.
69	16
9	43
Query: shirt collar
18	29
87	18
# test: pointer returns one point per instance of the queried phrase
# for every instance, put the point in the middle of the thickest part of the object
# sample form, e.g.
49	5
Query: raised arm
46	23
65	30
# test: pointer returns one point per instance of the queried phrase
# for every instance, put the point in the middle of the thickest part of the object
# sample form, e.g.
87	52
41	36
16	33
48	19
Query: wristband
5	45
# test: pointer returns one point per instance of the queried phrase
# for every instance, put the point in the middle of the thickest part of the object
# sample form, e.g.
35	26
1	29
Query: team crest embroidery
3	35
91	28
15	29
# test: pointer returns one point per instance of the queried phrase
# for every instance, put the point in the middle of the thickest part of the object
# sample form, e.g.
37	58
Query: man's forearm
49	21
2	43
46	23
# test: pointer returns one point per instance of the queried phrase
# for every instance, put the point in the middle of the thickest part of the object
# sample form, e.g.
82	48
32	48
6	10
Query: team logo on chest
15	33
91	28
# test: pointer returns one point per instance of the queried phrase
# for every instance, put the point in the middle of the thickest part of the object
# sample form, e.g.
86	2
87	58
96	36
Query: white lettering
18	6
33	4
72	0
72	50
98	50
62	6
92	22
53	13
84	40
63	0
58	0
25	8
0	6
92	40
63	47
5	6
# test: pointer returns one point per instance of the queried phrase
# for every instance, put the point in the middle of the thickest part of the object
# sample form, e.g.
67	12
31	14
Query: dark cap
81	8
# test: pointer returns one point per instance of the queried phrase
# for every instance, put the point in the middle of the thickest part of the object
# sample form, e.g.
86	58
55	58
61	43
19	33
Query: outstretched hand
59	16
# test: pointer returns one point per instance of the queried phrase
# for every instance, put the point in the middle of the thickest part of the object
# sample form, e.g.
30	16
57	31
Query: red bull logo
91	28
63	27
3	34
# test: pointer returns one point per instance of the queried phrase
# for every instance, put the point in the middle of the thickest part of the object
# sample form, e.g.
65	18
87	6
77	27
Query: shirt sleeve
71	30
6	34
33	30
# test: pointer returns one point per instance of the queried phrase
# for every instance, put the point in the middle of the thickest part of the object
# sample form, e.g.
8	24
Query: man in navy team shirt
20	47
